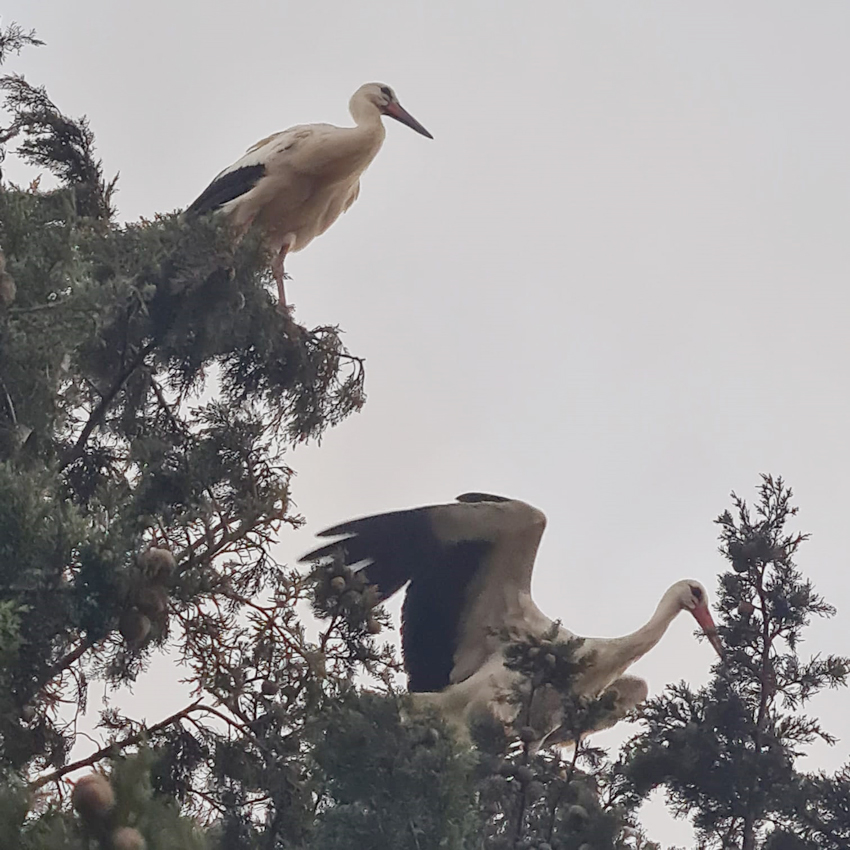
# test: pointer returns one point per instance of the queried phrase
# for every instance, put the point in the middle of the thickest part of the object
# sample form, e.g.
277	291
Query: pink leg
279	276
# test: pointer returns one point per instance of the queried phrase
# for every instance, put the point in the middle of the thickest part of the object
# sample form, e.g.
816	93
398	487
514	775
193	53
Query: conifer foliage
149	391
551	798
726	754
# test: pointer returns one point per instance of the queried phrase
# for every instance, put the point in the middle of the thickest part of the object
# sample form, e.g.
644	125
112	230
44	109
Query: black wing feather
402	547
398	546
230	185
431	616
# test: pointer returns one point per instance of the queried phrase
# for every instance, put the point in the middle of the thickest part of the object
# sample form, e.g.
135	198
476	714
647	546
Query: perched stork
468	568
295	184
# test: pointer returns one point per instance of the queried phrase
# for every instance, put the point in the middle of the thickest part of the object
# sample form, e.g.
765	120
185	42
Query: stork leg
280	276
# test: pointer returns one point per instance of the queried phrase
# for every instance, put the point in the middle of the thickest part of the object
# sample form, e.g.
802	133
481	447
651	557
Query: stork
467	566
295	184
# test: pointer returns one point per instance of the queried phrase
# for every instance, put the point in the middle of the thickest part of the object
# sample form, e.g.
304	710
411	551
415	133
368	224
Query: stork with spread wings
467	566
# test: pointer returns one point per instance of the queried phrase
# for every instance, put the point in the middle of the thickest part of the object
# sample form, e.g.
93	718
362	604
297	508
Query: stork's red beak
703	616
397	111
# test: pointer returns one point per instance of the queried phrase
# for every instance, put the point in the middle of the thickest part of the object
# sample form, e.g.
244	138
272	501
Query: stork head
692	597
384	99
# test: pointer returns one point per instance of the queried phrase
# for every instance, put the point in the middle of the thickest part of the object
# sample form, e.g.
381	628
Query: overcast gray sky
614	285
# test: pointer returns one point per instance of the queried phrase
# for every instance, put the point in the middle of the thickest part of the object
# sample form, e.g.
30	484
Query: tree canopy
149	393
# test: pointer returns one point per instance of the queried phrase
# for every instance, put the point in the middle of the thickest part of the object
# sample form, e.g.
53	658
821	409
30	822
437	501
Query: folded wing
237	180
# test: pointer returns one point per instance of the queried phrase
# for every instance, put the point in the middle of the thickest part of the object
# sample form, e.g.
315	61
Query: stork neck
645	638
365	113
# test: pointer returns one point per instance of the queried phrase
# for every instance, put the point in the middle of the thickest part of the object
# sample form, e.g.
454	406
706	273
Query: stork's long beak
397	111
703	616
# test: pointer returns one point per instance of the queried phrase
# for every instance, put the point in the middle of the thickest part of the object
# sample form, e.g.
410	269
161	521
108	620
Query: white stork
295	184
469	565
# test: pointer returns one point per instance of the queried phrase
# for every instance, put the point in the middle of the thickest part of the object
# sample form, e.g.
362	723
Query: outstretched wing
469	566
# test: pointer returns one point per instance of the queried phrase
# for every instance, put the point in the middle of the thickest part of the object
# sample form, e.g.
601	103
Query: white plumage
468	566
296	183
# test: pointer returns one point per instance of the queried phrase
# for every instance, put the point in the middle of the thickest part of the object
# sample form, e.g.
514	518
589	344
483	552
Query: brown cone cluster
146	611
94	800
127	838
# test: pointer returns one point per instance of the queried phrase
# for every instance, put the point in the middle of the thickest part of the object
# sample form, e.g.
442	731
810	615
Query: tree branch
116	746
99	412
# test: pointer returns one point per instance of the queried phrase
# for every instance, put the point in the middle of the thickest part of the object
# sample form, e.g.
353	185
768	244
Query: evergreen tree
726	753
149	391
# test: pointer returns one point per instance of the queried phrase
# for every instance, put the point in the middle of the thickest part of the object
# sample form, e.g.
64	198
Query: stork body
469	567
295	184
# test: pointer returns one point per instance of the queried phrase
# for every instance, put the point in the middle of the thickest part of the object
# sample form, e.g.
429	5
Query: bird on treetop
295	184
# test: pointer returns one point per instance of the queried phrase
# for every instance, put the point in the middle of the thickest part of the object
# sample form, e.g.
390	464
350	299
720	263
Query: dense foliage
149	391
727	753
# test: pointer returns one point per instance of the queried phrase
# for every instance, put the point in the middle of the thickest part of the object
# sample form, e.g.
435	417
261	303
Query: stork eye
697	593
387	91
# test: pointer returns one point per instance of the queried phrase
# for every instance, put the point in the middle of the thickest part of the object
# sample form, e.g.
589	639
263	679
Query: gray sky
614	285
